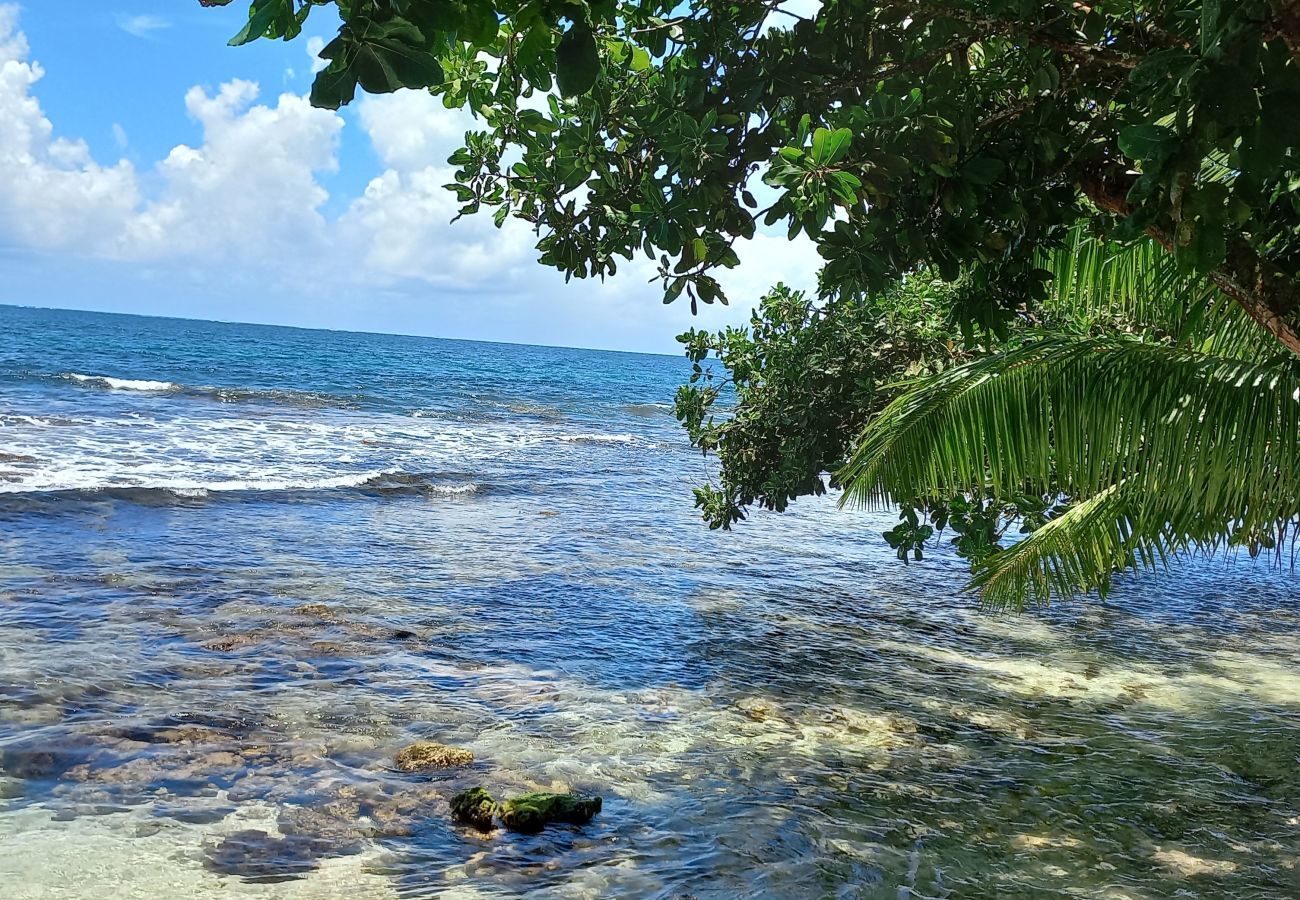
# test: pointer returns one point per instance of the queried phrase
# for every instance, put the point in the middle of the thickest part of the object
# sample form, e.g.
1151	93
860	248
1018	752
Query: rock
530	813
402	814
328	832
229	642
424	755
316	611
255	787
474	807
33	763
755	709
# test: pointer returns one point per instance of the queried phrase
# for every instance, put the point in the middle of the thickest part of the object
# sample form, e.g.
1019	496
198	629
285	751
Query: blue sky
147	167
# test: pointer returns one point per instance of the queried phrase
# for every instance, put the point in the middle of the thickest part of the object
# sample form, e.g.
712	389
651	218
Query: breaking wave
123	384
77	487
282	396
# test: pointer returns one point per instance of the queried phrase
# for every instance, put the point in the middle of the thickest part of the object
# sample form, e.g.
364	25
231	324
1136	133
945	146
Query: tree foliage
1165	450
896	135
1075	226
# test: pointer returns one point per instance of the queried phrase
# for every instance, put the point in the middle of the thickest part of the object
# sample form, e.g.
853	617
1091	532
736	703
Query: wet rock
170	734
192	815
1188	866
331	831
229	642
253	787
33	762
474	807
400	814
192	771
32	716
755	709
424	755
10	788
320	611
530	813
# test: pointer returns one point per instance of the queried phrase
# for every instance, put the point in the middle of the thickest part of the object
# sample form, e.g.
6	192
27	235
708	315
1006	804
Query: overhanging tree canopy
1042	175
953	134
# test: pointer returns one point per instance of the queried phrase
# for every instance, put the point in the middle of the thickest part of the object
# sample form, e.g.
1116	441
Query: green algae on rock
474	807
530	813
431	755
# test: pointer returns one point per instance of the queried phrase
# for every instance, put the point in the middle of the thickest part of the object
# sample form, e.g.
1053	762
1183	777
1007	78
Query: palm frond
1140	282
1118	529
1169	447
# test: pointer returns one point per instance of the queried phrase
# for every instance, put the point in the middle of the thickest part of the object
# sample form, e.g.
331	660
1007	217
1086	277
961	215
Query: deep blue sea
242	567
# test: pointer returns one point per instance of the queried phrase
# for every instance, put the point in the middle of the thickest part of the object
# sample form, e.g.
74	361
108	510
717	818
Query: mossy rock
530	813
424	755
474	807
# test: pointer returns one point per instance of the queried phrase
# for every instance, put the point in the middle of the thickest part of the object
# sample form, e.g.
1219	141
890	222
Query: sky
146	167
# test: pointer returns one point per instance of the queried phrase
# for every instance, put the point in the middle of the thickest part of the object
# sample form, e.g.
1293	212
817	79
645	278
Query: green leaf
1227	94
828	147
335	86
1146	141
983	170
261	15
395	55
577	61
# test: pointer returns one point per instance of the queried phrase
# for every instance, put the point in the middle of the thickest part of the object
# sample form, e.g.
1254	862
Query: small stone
756	710
317	611
474	807
424	755
530	813
226	643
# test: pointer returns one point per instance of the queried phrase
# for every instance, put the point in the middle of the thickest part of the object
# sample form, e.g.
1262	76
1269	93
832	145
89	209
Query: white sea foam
221	450
597	438
123	384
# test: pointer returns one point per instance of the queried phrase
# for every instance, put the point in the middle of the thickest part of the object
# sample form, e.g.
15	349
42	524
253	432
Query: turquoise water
243	566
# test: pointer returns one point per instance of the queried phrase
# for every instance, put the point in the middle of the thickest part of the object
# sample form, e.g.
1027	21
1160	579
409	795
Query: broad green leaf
334	86
1146	141
983	170
828	147
577	61
261	15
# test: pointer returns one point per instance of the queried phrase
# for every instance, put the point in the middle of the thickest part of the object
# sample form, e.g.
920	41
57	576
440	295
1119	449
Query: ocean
243	566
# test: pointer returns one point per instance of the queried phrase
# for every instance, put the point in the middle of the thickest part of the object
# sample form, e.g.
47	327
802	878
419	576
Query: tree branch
1258	287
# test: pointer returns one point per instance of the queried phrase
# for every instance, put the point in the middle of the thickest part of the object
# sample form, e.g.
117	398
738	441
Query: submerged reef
424	755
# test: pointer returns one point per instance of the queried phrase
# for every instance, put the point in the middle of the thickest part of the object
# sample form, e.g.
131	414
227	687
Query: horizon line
431	337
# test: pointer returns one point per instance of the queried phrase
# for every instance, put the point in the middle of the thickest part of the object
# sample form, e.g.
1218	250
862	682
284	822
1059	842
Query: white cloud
412	130
315	44
52	194
246	202
250	189
142	26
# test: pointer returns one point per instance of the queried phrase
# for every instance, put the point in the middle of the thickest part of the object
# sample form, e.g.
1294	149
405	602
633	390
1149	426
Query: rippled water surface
241	567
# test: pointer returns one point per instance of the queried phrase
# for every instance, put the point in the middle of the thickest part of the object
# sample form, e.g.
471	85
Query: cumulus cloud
249	189
247	198
52	193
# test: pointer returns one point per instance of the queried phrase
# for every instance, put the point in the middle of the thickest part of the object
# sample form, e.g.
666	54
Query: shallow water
229	596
